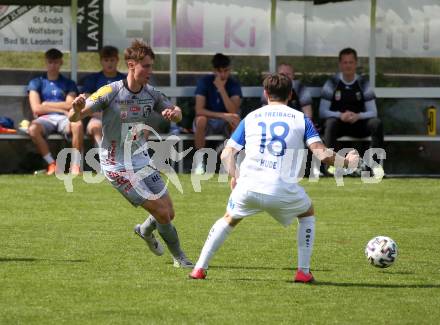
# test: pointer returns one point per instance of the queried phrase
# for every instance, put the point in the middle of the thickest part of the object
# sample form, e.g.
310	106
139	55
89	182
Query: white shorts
54	123
243	203
150	187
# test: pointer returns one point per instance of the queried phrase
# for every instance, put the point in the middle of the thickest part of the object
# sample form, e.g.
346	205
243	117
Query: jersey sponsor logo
142	101
101	92
124	101
338	95
135	109
279	114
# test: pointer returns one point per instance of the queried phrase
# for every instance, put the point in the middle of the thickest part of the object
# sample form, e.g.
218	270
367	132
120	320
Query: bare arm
232	118
201	108
79	109
39	108
232	104
228	160
307	110
330	157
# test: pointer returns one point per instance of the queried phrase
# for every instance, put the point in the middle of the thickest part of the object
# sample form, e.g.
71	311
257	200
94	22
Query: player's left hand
354	117
171	114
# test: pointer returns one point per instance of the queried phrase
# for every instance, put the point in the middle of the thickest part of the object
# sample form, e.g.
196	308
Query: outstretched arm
228	159
79	109
329	157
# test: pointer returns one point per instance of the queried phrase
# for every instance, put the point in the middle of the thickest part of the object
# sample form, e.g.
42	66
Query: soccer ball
381	251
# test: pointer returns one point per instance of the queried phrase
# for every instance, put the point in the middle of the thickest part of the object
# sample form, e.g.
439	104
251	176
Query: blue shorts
216	126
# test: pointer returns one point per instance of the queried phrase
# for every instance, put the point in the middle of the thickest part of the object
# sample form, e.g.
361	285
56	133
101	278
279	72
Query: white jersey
273	137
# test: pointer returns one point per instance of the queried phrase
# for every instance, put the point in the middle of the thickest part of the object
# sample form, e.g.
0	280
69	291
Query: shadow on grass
401	272
32	259
235	267
374	285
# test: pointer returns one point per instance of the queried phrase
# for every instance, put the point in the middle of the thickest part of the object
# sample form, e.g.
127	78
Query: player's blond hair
138	50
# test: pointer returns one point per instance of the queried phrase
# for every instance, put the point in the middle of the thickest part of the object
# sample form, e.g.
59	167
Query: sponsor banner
207	27
38	28
404	28
305	29
89	25
408	28
34	28
203	27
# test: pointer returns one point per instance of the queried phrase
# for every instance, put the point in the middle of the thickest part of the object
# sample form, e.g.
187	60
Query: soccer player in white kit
126	106
273	137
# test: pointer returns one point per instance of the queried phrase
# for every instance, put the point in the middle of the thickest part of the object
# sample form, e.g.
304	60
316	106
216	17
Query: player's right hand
345	116
79	103
353	159
232	119
219	83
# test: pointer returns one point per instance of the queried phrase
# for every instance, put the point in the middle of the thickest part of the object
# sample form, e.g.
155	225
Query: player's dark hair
108	51
220	61
138	50
278	87
53	54
348	51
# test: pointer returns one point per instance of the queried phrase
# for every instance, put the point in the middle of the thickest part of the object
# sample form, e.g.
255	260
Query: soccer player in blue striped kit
273	137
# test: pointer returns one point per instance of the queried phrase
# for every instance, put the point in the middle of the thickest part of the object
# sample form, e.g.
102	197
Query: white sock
217	235
76	158
198	158
305	238
48	158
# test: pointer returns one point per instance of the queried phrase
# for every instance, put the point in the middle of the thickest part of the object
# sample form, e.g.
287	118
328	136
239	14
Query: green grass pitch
72	258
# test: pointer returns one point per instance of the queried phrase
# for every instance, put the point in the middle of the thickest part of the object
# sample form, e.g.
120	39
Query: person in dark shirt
348	104
50	97
301	99
218	99
109	58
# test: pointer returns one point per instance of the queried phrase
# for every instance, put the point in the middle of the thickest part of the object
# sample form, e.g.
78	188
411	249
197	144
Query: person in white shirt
273	137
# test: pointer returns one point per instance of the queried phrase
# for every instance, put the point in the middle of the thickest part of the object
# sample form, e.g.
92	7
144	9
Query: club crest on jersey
358	95
124	115
146	110
338	95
